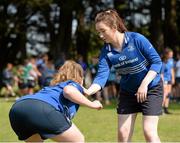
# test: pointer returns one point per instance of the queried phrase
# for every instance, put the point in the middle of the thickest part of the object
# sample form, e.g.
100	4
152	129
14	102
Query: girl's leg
106	95
150	125
34	138
168	93
165	103
73	134
126	126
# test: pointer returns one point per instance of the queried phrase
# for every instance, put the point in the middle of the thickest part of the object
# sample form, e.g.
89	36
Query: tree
14	18
156	25
171	35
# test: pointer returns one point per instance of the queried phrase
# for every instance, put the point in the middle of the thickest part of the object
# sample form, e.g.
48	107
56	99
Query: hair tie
108	11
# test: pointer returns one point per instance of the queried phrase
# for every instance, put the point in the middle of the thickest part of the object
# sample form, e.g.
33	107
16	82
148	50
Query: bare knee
80	138
123	134
151	136
150	128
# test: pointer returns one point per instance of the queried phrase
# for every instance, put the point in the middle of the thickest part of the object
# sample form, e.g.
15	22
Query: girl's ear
114	28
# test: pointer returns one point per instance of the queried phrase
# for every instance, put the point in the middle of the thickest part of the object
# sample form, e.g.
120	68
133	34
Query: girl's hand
143	88
97	105
142	93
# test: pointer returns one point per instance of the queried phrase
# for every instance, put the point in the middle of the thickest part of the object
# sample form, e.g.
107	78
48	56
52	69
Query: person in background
22	81
168	77
48	113
33	74
109	91
93	69
42	65
8	80
82	62
139	65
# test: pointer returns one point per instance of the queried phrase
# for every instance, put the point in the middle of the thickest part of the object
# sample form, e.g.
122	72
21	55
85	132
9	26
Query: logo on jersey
121	58
109	54
130	48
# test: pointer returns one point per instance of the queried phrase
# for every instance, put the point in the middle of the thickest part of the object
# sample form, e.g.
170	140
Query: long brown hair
166	53
70	70
111	18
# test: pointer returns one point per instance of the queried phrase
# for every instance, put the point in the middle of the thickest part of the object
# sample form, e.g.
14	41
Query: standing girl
168	77
139	65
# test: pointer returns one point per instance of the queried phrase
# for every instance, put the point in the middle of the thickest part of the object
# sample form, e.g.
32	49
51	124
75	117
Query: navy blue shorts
29	116
152	106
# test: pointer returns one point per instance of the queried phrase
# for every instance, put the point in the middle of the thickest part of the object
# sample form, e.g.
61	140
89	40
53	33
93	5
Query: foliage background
66	27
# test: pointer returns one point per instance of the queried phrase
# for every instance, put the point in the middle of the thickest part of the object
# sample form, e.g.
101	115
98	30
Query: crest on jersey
110	54
130	48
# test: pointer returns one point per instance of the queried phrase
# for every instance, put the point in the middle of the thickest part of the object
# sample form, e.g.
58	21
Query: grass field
101	126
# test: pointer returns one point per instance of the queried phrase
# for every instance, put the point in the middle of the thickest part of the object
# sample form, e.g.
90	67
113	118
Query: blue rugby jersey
53	95
137	57
166	69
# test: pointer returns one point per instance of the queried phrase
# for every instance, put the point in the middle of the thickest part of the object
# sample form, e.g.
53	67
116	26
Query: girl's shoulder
71	83
76	85
134	35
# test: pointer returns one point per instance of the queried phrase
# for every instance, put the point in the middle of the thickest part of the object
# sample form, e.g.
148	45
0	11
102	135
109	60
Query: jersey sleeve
103	69
77	86
149	52
72	83
71	108
163	68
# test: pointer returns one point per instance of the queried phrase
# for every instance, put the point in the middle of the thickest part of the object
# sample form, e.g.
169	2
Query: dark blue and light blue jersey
166	70
54	96
137	57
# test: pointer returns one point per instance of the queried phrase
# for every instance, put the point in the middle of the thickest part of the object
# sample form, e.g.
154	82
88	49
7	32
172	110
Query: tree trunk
64	39
170	27
156	25
82	37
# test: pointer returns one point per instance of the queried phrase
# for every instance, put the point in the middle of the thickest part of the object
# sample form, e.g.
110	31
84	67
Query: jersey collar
125	42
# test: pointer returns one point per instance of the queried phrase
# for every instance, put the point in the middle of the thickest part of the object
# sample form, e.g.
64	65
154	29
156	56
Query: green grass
101	126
